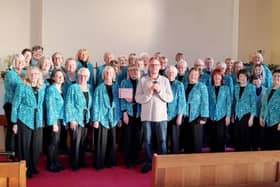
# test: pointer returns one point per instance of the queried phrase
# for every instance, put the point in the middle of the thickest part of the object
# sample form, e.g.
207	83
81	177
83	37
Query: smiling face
34	75
58	78
37	54
83	55
276	79
108	74
27	55
194	76
133	73
217	79
154	67
171	74
242	78
57	60
71	66
83	76
19	63
257	59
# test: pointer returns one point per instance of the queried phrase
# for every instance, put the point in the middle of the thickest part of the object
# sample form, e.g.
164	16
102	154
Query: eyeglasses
154	64
133	70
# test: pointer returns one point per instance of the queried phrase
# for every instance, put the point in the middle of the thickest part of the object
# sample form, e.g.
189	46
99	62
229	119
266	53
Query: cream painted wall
255	28
15	32
196	27
15	27
275	36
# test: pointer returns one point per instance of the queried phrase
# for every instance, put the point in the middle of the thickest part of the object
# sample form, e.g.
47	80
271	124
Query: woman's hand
73	125
15	129
96	124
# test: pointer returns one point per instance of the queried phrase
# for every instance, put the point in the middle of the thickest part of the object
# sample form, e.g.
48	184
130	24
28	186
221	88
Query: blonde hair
79	53
258	54
108	68
27	81
43	59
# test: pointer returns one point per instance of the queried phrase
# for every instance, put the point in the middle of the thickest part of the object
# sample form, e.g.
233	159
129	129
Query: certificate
125	93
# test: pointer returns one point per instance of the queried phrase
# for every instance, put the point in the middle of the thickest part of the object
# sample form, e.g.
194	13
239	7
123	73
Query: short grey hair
172	68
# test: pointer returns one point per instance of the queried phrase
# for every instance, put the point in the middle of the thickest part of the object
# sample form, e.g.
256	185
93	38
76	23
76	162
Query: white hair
172	68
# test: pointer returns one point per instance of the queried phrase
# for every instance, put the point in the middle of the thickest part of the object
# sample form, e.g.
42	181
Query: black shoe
75	168
52	168
129	166
28	174
34	171
139	161
146	168
59	166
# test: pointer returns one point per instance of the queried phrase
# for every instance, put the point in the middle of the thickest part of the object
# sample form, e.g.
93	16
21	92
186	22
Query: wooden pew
13	174
236	169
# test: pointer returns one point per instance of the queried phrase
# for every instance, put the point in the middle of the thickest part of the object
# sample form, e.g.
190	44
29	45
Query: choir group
157	106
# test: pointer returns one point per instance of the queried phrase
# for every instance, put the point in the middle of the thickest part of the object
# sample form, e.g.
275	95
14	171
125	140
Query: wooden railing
217	169
13	174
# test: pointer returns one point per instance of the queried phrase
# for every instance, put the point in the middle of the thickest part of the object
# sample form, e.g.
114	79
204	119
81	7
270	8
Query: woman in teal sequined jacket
54	102
197	112
78	105
244	106
176	109
219	111
270	117
27	116
105	116
12	79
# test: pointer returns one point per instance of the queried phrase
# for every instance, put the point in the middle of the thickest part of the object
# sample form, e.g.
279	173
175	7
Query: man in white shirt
153	93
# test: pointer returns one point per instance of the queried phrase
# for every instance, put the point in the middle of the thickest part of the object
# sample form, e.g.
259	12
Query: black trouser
218	135
242	133
78	137
132	140
194	136
173	133
29	144
105	147
256	135
53	144
63	139
11	137
207	130
272	138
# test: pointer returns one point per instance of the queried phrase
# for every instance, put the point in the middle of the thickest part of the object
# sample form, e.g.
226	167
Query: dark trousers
194	136
272	138
78	137
256	135
173	134
53	144
218	135
29	145
105	146
63	139
242	133
151	131
11	137
132	140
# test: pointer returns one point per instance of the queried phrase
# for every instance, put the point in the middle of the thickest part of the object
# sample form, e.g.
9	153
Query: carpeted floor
89	177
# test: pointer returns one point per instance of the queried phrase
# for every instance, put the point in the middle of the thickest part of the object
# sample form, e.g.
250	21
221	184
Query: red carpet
89	177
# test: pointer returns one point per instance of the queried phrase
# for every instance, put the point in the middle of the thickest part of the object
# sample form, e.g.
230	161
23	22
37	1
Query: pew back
217	169
13	174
